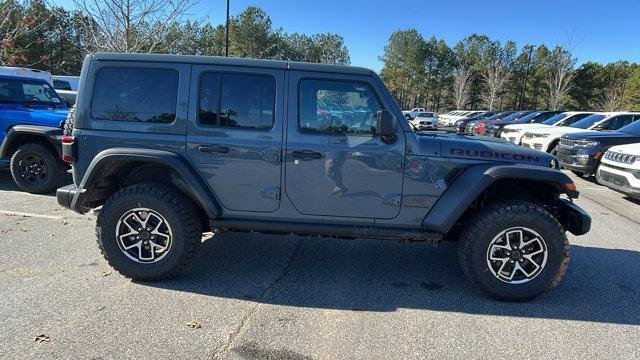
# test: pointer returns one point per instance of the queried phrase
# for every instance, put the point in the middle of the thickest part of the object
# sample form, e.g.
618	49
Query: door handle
306	154
219	149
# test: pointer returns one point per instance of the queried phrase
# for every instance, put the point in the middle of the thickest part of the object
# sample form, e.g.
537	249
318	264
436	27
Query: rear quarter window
135	95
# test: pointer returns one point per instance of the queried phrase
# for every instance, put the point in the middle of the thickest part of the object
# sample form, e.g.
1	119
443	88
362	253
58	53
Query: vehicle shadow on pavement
602	285
7	183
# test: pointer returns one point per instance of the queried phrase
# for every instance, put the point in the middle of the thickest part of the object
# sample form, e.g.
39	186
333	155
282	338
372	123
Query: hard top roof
13	77
232	61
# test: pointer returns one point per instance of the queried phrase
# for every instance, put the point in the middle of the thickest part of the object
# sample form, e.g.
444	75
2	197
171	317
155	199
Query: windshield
527	118
633	128
499	116
554	119
588	121
28	92
512	117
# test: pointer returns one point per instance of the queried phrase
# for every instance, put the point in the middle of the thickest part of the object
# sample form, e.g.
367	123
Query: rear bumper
574	219
71	197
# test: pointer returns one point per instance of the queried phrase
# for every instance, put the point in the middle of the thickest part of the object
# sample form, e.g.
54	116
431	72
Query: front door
234	137
335	163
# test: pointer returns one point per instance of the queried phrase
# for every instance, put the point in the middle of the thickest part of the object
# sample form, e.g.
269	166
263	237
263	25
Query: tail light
68	149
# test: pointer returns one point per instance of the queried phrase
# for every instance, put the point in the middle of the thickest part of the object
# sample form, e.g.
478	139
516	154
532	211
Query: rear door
234	136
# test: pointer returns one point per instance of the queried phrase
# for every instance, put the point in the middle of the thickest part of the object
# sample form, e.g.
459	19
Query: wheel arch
19	135
115	168
479	185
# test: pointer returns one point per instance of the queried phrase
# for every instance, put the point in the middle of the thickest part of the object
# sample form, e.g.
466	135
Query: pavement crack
223	349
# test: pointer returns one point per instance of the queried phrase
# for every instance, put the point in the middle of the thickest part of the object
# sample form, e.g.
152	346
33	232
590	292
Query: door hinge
272	193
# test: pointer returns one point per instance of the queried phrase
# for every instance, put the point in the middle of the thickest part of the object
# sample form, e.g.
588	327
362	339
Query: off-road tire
408	117
69	122
56	170
179	212
491	221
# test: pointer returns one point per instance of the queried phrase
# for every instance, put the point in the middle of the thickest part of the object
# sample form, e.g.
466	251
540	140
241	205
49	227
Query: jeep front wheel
514	250
36	169
148	231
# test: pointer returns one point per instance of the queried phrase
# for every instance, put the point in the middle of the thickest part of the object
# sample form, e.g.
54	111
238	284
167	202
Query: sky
601	31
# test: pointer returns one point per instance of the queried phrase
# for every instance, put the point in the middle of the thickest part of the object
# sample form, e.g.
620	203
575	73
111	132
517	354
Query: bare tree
461	86
131	25
498	68
560	72
613	96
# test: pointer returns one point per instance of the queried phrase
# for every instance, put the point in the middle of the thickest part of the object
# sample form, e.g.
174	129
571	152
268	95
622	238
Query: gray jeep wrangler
169	147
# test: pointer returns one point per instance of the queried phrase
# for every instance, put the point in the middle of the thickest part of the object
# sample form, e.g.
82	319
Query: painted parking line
18	213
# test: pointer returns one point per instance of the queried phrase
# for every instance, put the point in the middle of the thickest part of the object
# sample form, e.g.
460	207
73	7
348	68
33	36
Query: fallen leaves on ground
193	325
41	338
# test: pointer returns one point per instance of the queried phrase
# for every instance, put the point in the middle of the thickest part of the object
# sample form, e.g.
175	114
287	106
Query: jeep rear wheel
148	231
514	250
36	169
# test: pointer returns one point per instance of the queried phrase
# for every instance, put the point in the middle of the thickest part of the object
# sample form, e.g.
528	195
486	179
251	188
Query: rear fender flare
199	192
51	135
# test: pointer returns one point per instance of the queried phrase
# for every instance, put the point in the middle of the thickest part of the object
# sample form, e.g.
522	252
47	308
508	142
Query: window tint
619	121
4	90
588	121
61	85
135	94
324	107
237	100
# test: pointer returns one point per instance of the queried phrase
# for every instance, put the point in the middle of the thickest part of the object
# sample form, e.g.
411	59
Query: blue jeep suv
31	116
168	147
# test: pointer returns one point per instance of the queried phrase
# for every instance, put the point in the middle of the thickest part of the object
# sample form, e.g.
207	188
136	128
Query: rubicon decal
493	155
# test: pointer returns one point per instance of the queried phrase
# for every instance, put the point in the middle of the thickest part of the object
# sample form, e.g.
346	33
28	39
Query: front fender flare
199	192
476	179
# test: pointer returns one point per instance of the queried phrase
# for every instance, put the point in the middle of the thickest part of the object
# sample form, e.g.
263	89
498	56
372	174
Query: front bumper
574	219
71	197
577	161
619	180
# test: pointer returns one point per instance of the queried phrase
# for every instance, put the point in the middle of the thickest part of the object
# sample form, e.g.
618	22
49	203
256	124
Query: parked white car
450	119
515	132
547	138
425	121
26	72
64	82
620	169
410	114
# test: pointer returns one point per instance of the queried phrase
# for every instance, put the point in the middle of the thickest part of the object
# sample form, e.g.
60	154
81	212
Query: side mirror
386	126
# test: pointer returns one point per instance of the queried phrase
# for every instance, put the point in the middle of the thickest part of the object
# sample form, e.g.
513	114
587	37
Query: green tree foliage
54	39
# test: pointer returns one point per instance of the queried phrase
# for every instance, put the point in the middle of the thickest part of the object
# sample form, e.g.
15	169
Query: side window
620	121
237	100
327	106
5	90
61	85
135	94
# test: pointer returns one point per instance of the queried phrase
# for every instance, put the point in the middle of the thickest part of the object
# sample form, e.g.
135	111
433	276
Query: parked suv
515	132
546	139
171	146
620	169
582	152
31	115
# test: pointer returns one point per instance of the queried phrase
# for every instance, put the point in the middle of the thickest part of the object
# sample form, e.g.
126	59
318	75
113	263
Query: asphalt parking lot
275	297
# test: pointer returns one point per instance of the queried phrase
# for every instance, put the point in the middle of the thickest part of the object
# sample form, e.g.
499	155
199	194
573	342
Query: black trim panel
36	130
